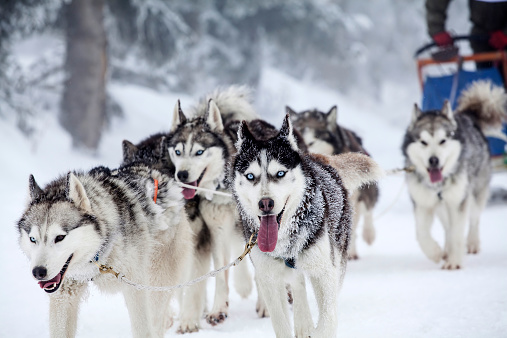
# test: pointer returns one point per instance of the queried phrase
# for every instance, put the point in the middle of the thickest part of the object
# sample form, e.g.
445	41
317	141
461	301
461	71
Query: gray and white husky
324	135
131	219
452	169
200	148
298	205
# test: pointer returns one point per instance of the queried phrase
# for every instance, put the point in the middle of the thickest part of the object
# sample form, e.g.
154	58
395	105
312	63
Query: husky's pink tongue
268	233
49	283
189	193
435	175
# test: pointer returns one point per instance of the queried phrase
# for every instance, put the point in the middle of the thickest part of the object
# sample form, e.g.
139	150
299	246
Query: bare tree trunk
83	104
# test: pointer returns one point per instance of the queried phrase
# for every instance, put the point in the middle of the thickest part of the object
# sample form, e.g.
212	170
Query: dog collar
155	193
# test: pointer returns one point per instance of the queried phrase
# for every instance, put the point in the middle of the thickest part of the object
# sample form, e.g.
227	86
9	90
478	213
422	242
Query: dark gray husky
324	135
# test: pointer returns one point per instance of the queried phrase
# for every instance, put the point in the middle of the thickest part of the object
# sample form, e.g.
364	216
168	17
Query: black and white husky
200	148
131	219
298	206
452	169
324	135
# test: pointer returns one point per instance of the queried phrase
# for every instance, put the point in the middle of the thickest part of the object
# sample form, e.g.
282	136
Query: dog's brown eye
424	143
59	238
442	142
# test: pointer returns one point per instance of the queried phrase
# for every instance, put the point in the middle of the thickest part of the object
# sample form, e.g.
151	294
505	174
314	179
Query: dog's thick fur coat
108	217
452	169
324	135
200	148
298	205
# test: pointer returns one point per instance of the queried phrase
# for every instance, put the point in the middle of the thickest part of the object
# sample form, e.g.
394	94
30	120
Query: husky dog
131	219
297	204
324	136
452	169
200	150
151	151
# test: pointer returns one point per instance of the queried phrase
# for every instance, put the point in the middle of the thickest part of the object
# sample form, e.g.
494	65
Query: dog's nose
266	204
39	272
183	175
433	161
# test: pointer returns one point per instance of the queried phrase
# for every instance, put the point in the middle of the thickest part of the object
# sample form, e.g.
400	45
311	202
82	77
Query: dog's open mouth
268	231
189	193
52	285
435	174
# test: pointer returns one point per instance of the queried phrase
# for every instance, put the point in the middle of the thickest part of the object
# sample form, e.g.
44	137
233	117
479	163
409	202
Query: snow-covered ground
393	290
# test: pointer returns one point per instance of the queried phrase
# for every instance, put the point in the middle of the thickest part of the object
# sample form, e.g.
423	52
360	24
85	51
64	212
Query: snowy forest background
362	49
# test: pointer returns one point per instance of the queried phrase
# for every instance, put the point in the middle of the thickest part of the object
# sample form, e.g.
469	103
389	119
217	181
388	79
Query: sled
453	73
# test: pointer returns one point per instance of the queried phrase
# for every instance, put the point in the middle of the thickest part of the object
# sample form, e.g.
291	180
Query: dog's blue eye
199	152
280	173
424	143
32	239
59	238
177	152
249	176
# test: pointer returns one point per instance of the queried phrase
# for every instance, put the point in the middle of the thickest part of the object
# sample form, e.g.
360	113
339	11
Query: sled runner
445	73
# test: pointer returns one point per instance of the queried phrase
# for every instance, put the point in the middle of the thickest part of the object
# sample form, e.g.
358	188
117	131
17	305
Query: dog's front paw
473	246
451	266
188	327
352	257
433	251
260	307
303	334
216	318
303	327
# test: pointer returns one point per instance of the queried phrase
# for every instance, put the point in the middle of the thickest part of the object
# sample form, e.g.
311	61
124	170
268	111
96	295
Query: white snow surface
393	290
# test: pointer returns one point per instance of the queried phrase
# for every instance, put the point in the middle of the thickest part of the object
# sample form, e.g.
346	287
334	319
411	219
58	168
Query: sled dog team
301	191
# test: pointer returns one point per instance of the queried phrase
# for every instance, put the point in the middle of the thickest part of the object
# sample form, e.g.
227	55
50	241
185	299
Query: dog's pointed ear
293	115
447	111
244	133
178	116
33	188
213	117
129	151
331	118
77	194
416	112
287	132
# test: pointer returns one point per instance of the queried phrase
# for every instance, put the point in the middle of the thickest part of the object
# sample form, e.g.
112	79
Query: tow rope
121	277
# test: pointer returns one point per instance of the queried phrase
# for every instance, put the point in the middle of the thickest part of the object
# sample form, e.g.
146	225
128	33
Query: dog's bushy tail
234	102
485	103
355	169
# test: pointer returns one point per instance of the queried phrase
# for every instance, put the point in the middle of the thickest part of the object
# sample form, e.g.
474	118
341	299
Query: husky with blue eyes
452	165
200	147
297	204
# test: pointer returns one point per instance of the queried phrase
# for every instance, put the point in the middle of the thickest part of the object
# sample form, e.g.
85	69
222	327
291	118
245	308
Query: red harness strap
156	190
